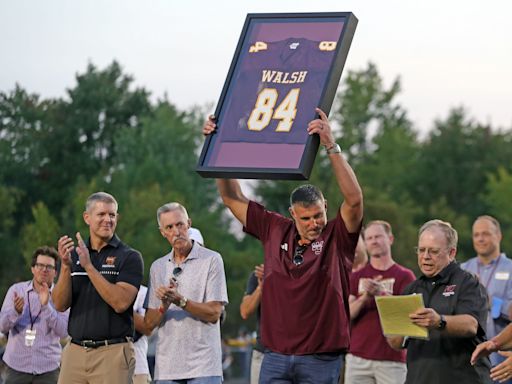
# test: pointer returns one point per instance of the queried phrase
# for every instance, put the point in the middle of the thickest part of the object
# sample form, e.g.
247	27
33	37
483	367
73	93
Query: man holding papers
455	314
370	358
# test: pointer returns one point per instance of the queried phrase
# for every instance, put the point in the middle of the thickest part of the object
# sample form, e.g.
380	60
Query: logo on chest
110	262
449	290
317	247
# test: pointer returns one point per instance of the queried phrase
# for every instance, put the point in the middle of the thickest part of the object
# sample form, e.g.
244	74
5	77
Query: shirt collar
444	274
479	262
193	254
113	242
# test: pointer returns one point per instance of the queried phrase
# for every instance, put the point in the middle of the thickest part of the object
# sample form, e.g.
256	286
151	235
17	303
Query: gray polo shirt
188	347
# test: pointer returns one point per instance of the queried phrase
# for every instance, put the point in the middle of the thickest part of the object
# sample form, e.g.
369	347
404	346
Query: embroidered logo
110	260
449	290
317	247
284	247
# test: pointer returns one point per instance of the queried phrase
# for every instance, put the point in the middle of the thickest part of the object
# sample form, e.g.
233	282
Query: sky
446	53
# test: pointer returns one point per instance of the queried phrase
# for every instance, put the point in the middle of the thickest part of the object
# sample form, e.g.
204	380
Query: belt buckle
87	343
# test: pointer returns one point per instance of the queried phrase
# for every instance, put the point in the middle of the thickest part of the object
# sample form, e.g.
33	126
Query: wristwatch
183	302
335	148
442	323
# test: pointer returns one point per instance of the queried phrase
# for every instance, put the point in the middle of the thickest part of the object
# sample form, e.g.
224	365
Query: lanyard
492	272
32	321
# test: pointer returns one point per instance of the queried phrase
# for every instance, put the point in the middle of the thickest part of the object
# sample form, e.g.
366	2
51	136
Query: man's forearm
346	179
119	296
250	303
461	325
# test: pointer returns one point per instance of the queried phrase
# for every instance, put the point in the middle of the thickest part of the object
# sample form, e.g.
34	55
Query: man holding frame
304	309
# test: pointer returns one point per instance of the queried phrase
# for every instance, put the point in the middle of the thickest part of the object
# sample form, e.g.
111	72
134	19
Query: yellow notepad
394	315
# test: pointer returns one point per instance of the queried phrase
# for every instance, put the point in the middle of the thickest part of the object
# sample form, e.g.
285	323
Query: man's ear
85	216
292	214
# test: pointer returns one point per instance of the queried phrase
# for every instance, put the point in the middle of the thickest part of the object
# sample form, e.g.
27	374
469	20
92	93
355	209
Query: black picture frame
285	64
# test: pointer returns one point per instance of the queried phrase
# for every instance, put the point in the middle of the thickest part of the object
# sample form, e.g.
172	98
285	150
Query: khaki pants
364	371
141	379
112	364
257	358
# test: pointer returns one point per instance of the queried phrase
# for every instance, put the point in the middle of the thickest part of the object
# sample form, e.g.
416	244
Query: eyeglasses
41	267
298	257
431	251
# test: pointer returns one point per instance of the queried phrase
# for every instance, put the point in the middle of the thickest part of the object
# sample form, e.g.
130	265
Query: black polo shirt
444	359
91	318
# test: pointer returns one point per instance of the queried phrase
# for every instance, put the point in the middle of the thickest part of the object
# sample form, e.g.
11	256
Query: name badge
501	275
30	337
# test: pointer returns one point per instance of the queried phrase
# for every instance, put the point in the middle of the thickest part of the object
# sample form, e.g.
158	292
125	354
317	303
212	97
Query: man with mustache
187	293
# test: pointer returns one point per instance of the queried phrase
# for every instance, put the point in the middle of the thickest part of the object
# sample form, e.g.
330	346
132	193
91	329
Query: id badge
30	337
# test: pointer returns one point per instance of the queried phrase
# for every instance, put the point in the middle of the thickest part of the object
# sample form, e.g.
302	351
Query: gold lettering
302	76
278	77
327	45
258	46
267	76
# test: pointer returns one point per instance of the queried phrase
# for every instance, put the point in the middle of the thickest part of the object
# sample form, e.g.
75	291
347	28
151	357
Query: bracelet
335	148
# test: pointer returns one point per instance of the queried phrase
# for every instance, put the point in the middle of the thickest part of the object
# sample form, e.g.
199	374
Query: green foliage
43	230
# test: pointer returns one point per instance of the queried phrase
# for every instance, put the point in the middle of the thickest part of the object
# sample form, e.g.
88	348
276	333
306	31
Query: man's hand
44	294
19	302
65	246
83	252
373	286
426	317
259	271
482	350
209	125
322	127
503	371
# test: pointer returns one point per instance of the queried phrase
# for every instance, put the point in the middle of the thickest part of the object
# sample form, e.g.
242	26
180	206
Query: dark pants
300	369
15	377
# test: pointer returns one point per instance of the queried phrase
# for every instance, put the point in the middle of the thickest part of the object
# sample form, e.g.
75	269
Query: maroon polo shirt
304	309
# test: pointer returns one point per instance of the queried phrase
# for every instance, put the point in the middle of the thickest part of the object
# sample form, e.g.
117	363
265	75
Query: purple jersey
276	91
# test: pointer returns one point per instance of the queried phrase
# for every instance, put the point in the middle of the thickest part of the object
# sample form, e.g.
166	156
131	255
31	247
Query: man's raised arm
229	189
352	207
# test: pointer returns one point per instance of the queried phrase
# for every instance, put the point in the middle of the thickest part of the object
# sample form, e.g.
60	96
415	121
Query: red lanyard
492	272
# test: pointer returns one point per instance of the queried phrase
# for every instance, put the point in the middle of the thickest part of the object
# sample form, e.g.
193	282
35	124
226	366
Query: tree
44	230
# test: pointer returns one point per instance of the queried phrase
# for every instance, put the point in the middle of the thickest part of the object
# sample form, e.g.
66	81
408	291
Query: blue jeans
304	369
197	380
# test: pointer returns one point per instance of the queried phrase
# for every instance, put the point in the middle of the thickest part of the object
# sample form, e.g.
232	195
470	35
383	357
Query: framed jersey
285	65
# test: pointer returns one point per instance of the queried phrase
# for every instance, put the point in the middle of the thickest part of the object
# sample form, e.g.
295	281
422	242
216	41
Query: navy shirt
91	318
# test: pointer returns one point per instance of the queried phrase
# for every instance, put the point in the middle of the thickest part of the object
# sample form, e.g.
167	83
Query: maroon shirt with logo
304	309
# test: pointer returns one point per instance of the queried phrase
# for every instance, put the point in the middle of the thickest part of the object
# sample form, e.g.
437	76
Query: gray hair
104	197
449	232
169	207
